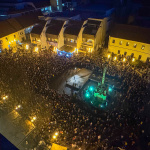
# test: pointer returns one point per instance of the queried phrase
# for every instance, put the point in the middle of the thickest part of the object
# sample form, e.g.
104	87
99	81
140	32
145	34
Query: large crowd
29	80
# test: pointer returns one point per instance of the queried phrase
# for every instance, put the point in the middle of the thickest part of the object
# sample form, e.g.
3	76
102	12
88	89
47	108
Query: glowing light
36	49
109	89
34	118
115	58
4	97
124	59
60	53
87	95
56	133
14	40
27	46
91	88
101	106
133	59
54	137
9	42
67	55
108	55
19	106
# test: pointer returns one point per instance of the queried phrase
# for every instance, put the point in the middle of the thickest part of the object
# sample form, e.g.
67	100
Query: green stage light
109	89
87	95
91	88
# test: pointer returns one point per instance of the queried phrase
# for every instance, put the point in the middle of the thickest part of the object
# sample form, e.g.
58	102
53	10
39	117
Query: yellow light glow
54	137
27	46
34	118
9	42
133	59
14	40
36	49
77	51
115	58
124	59
108	55
56	133
4	97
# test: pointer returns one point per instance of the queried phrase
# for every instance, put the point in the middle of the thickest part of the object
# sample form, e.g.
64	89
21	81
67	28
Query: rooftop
91	27
73	27
55	27
13	25
129	32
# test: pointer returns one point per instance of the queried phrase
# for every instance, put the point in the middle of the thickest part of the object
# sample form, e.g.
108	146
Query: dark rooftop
37	29
55	27
6	29
129	32
73	27
29	19
91	27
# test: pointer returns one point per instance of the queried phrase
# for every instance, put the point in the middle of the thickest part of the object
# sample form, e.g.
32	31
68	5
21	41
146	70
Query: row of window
132	55
127	44
53	40
71	40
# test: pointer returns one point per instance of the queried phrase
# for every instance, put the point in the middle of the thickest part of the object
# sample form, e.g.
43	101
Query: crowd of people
29	80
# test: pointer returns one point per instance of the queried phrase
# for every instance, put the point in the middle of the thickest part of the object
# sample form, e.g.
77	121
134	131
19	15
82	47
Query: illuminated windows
143	47
120	43
134	45
127	44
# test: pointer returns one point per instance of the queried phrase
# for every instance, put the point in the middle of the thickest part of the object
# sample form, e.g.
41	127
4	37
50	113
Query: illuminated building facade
94	34
73	34
130	41
54	33
15	30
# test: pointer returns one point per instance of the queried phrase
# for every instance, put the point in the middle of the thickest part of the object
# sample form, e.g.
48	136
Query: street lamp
5	97
33	119
56	133
36	49
124	59
115	58
27	46
54	137
108	56
133	59
19	106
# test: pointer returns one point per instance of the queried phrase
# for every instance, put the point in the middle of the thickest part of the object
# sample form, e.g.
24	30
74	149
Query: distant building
94	34
73	35
56	5
36	33
54	33
15	30
130	41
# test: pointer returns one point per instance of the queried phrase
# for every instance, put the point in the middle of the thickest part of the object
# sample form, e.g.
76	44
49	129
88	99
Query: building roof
37	29
13	25
73	27
129	32
29	19
13	22
91	27
6	29
55	27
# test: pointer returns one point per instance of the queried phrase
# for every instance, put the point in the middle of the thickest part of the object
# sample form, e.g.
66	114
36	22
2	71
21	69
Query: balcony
70	43
87	44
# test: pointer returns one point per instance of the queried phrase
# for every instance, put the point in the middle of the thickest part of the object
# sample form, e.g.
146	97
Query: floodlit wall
11	40
134	48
